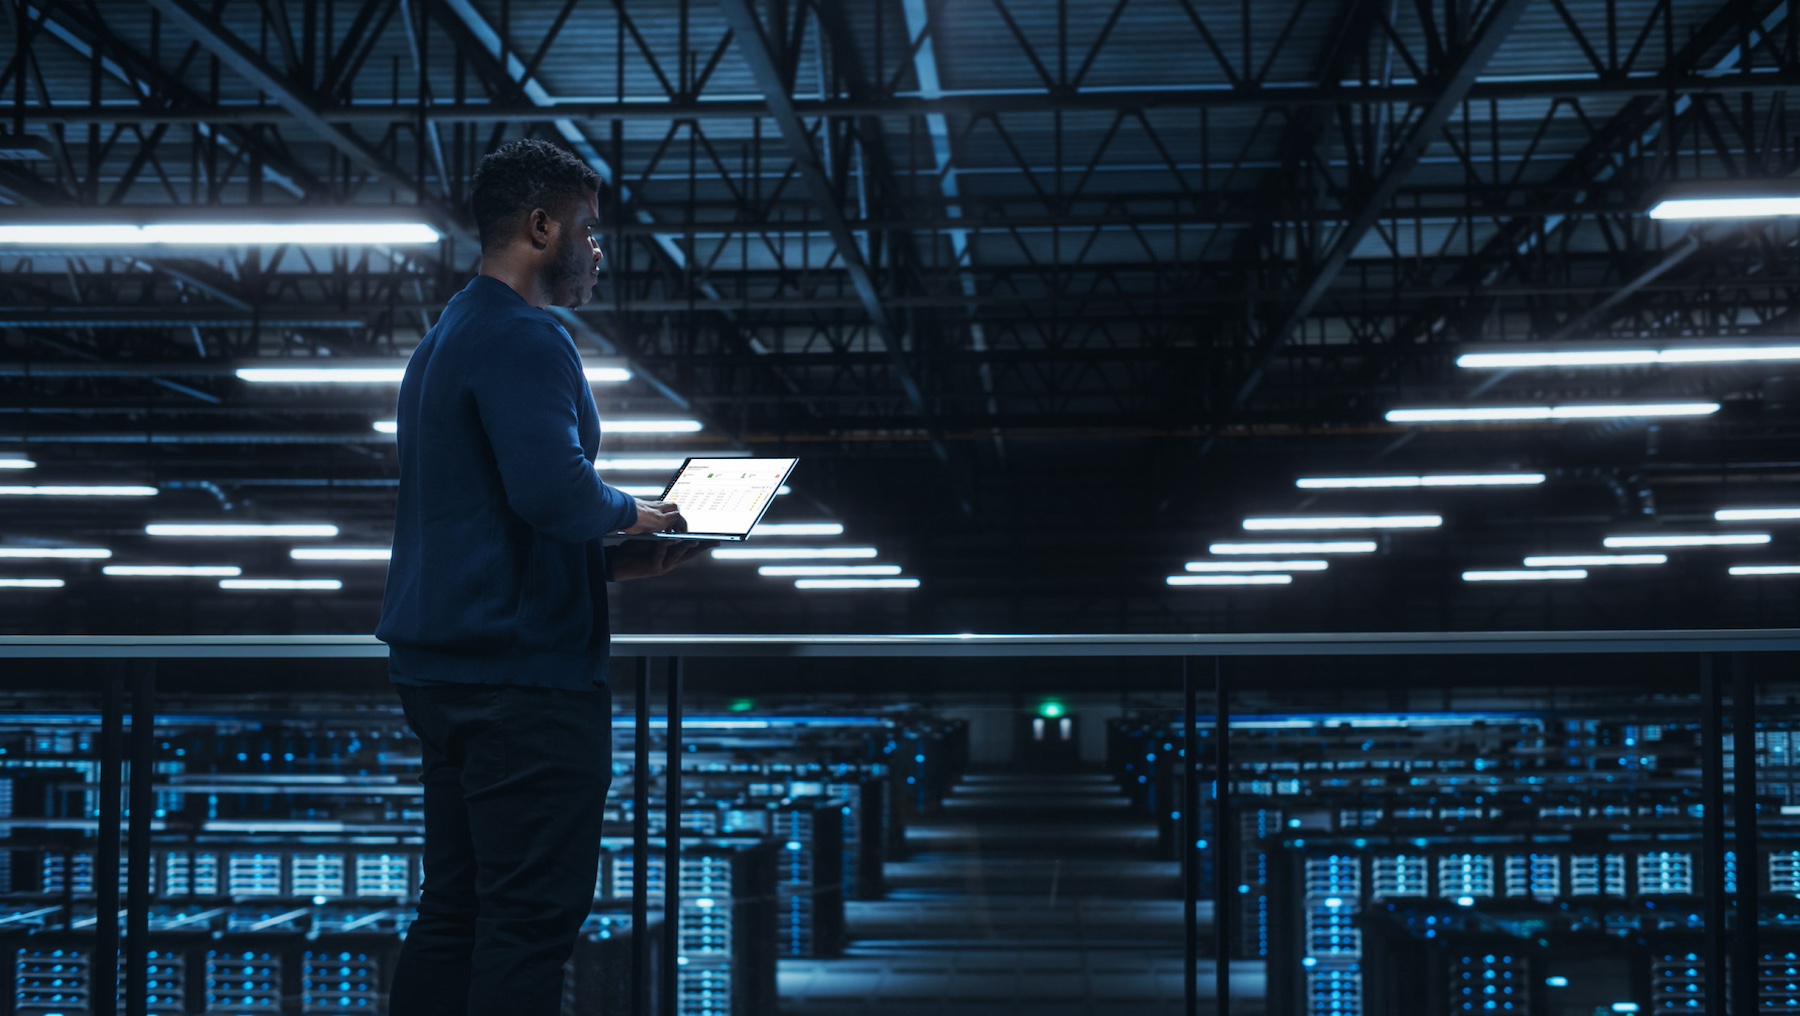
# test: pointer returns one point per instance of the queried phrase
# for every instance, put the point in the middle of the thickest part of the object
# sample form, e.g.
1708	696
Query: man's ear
542	227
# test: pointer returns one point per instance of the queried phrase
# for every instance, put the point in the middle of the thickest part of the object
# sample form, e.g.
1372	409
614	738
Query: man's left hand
646	559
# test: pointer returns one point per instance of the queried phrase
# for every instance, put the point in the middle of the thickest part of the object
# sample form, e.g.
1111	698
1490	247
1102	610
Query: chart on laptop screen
727	496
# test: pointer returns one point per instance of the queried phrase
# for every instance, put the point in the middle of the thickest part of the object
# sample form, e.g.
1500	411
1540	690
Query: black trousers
515	785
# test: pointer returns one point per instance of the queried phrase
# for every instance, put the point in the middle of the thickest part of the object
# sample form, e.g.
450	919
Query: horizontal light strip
316	585
387	426
1628	357
1766	569
1345	522
793	553
300	531
1533	575
1230	580
798	529
171	571
638	465
16	462
55	553
856	583
1325	547
1688	540
31	583
826	570
205	234
377	375
1447	480
1491	414
1256	566
1748	207
340	553
1756	514
1594	560
640	489
77	491
651	426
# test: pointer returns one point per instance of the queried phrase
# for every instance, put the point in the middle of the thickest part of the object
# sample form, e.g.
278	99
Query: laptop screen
726	497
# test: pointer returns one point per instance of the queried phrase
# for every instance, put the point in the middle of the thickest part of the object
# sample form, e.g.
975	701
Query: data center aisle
1032	893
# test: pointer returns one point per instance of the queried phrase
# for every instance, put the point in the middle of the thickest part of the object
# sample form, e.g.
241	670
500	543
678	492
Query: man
495	611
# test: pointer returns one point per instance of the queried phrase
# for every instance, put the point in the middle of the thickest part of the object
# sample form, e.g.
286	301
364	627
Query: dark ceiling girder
1452	92
753	43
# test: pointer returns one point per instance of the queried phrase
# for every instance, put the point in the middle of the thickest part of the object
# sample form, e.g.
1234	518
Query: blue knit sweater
498	574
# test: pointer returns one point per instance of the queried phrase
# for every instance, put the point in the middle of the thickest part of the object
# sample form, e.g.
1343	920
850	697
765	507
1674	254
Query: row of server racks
287	843
1476	863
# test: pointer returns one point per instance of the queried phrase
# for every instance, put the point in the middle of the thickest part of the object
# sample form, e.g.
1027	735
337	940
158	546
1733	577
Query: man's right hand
657	517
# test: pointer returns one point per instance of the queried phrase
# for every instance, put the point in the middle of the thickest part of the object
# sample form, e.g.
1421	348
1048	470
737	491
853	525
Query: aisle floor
1030	894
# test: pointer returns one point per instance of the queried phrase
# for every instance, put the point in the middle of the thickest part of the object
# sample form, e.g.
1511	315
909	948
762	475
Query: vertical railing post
671	969
1224	847
1746	953
142	812
640	848
1189	837
1712	802
103	977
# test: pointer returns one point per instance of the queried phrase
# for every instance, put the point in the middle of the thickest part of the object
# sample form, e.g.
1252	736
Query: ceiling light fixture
1497	414
340	554
651	426
31	583
798	529
55	553
1443	480
171	571
1532	575
1594	560
78	491
1324	547
215	234
1230	580
1256	566
1344	522
1766	569
1687	540
210	529
639	489
793	553
649	465
1679	356
856	583
1756	515
1749	206
387	426
820	571
314	585
10	461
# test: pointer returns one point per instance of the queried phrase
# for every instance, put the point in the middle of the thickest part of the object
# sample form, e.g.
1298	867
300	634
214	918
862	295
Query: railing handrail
1458	643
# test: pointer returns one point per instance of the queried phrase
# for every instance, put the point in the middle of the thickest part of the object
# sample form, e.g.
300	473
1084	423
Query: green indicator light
1051	710
742	705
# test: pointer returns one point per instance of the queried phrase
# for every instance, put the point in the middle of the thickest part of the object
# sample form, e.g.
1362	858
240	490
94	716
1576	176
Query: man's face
572	269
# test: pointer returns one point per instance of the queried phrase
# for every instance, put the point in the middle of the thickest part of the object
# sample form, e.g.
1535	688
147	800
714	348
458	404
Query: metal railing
1718	654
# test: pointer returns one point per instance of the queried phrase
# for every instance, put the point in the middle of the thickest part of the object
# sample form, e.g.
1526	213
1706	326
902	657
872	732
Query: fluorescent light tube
387	426
77	491
1747	207
1766	569
1531	575
639	489
783	491
1230	580
1446	480
340	553
31	583
1345	522
314	585
1756	514
1325	547
217	234
650	465
606	375
1491	414
55	553
1256	566
856	583
1594	560
1628	357
798	529
1687	540
651	426
793	553
171	571
820	571
302	531
16	462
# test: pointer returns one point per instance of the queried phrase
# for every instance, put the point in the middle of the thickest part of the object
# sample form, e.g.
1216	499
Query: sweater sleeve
527	390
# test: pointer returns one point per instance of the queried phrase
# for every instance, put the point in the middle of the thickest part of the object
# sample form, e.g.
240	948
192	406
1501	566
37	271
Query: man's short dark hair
520	176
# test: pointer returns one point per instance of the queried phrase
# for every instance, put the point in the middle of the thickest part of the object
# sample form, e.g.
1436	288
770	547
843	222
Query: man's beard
570	277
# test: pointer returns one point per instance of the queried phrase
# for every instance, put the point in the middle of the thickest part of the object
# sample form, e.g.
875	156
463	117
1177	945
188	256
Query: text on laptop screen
726	495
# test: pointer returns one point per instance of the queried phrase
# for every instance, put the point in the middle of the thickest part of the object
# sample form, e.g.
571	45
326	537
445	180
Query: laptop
724	499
